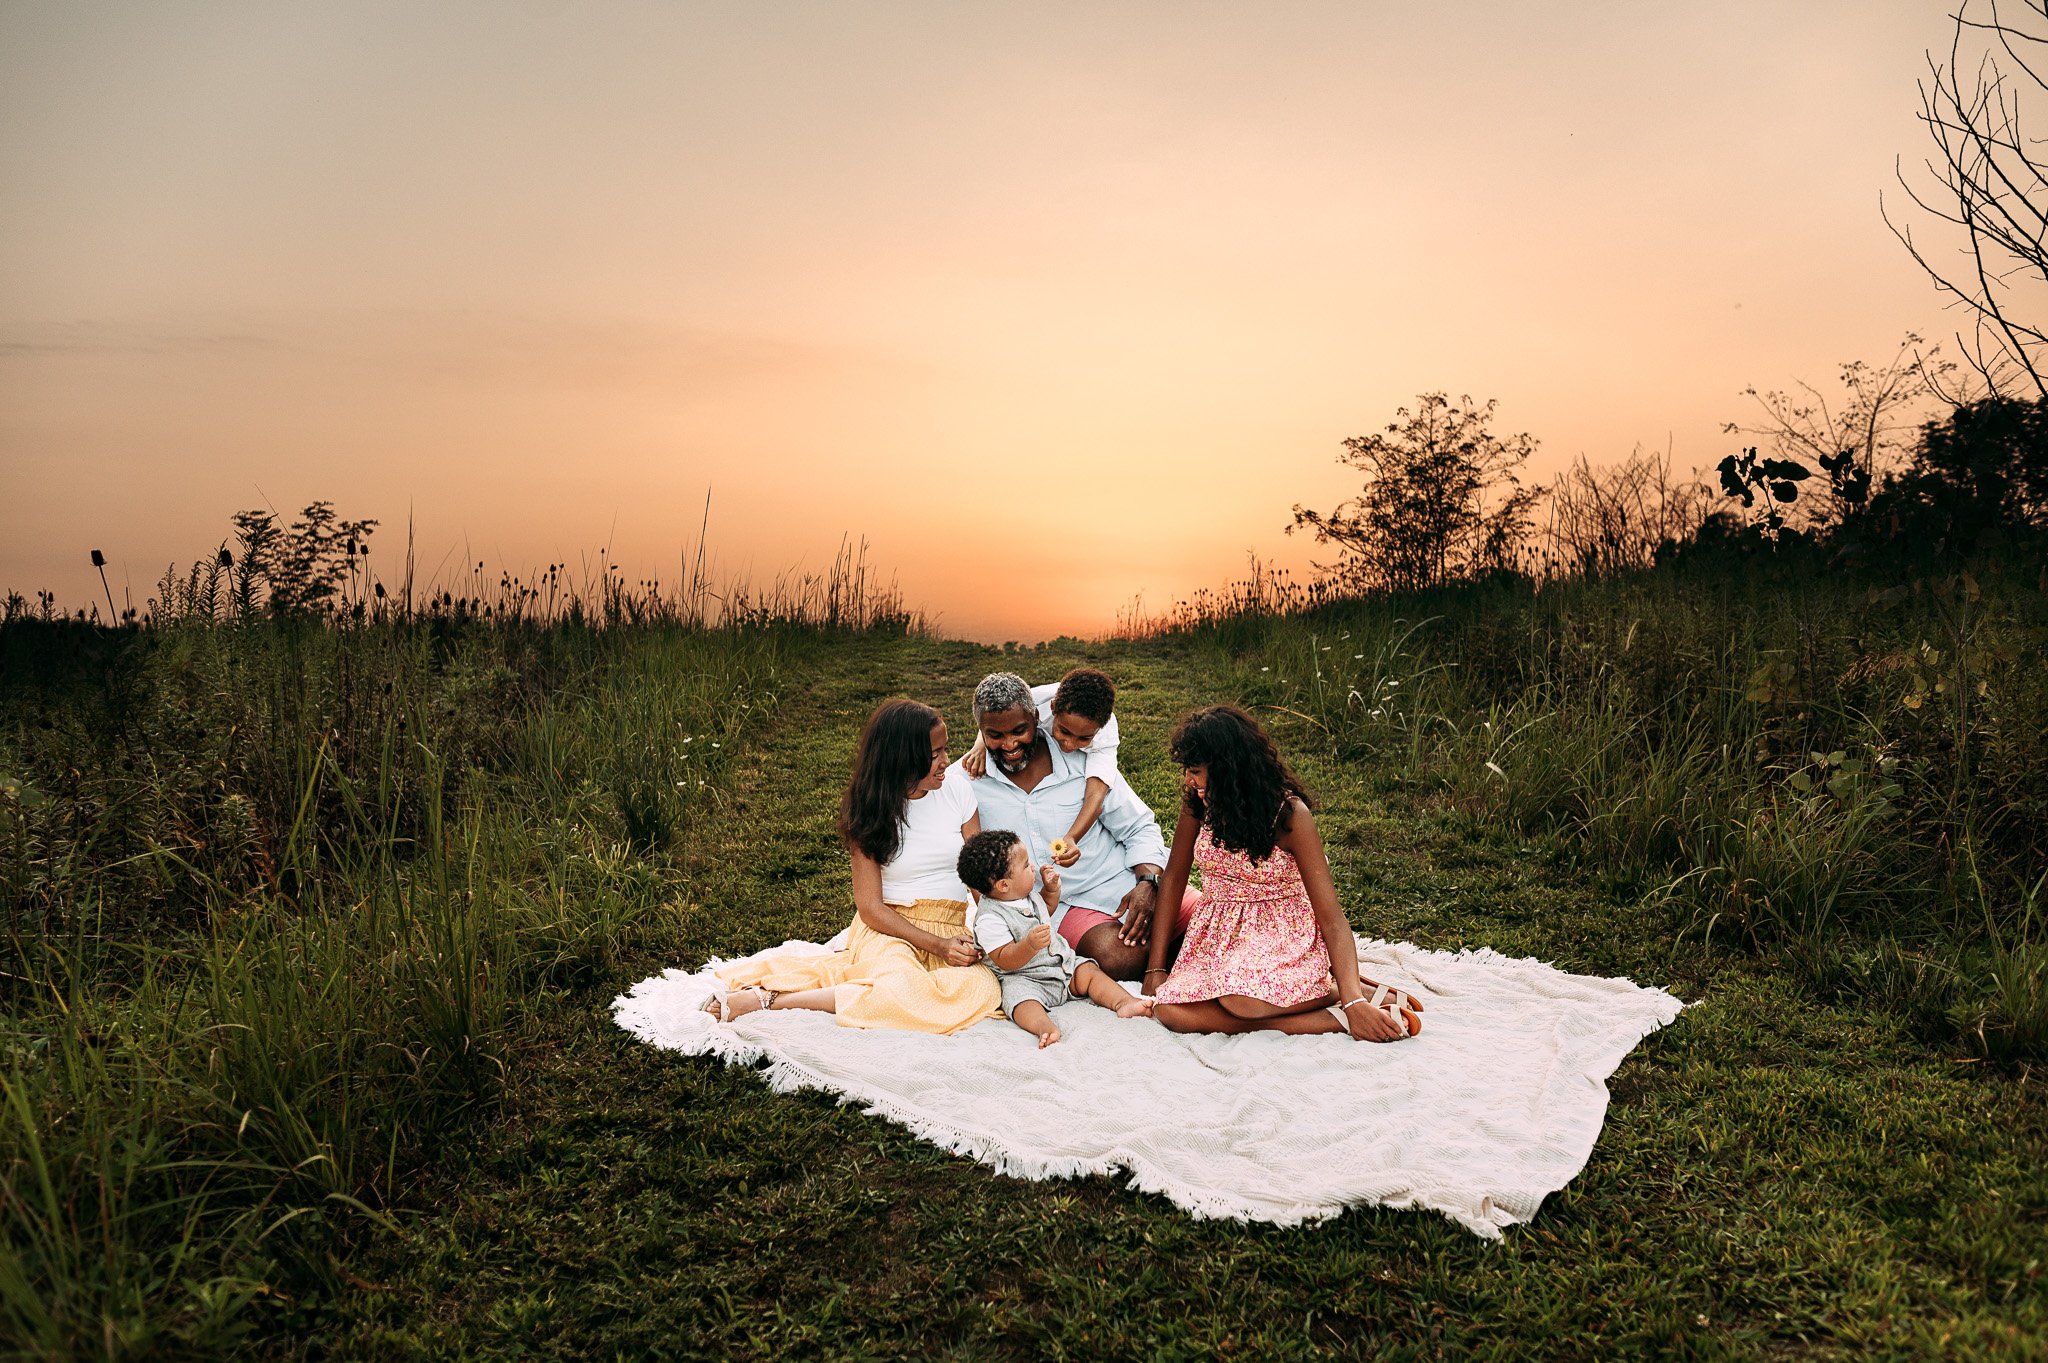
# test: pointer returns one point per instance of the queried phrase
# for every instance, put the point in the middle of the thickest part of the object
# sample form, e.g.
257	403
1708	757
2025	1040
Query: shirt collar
1065	765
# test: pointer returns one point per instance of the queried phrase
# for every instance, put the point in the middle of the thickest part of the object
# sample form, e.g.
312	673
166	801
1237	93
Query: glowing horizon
1122	280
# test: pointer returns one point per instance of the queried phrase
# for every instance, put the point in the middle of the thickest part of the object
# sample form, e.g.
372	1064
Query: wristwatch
1149	877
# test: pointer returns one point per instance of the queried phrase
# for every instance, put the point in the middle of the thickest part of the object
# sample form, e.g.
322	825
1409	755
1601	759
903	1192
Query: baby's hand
1039	938
1049	876
975	763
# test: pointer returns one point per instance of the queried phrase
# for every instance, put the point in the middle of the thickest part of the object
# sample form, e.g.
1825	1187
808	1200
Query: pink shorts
1078	921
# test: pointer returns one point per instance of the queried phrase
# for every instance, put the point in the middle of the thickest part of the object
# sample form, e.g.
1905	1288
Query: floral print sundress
1253	933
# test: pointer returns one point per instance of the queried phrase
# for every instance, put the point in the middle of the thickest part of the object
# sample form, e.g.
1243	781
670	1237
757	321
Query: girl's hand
975	763
1066	851
1368	1023
961	950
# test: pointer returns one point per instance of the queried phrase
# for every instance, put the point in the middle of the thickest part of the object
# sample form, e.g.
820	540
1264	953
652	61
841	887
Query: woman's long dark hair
895	754
1249	783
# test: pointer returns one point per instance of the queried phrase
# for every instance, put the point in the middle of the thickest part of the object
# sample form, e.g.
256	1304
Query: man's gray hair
1001	691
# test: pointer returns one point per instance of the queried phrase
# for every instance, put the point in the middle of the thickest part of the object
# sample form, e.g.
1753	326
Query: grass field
493	1169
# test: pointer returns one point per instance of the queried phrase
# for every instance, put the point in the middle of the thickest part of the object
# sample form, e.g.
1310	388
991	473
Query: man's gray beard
1024	756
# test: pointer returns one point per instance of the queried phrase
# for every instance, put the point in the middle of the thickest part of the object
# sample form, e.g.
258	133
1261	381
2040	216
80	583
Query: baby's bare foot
1047	1037
1136	1008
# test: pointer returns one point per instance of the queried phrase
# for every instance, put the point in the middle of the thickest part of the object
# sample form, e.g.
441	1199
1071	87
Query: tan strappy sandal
719	1005
1398	1006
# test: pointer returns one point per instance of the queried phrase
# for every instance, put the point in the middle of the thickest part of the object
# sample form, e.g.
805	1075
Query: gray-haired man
1034	790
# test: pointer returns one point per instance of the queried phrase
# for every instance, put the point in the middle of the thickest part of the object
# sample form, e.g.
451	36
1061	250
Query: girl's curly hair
895	754
1249	782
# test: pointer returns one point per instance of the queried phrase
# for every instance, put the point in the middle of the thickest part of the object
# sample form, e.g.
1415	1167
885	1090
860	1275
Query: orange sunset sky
1057	305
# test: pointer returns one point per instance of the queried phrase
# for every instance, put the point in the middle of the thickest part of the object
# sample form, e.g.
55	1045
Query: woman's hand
1368	1023
959	950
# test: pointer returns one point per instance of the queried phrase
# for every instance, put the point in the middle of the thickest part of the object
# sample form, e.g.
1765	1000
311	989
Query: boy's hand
1049	877
1038	939
975	763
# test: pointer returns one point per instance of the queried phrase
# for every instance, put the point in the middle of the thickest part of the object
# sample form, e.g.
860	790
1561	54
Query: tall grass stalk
279	894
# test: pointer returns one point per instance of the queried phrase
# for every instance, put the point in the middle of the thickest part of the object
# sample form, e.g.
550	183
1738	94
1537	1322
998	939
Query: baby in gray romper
1037	967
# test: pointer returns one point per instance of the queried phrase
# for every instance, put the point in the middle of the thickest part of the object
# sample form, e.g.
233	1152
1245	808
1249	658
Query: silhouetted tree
1867	432
1986	178
1441	501
305	568
1980	473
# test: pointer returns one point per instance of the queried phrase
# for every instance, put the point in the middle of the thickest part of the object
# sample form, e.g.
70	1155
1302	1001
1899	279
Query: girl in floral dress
1267	941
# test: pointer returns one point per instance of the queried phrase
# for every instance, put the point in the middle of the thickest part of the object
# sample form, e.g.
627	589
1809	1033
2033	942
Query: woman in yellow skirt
909	960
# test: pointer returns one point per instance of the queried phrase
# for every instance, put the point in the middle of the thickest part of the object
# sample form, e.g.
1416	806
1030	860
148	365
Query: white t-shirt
927	863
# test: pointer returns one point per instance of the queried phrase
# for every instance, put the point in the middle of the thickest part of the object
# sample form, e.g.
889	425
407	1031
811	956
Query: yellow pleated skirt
883	981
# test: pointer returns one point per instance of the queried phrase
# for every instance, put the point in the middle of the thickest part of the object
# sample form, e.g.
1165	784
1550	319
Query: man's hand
1136	912
961	950
1038	939
975	763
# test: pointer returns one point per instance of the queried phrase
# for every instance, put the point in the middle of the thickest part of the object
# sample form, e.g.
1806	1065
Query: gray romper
1047	977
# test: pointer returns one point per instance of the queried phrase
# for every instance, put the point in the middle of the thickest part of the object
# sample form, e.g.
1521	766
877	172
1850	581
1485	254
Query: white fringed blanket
1492	1108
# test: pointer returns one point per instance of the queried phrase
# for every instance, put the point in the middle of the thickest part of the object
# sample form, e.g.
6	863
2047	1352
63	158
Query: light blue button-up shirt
1126	834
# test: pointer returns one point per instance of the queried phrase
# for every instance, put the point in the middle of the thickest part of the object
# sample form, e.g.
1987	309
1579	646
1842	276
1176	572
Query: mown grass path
1777	1175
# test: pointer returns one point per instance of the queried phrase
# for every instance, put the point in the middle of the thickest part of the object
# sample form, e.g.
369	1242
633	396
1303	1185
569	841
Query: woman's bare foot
1136	1008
